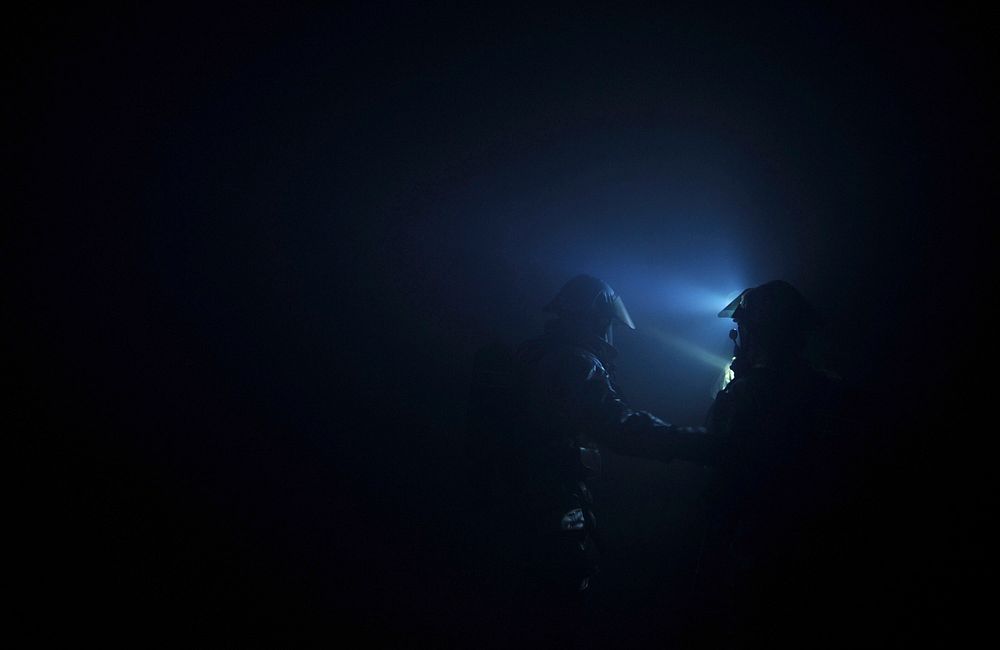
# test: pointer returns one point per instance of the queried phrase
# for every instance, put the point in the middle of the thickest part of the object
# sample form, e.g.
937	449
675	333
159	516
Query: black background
256	250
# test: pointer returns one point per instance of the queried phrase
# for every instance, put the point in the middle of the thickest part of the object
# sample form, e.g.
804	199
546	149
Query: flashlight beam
688	348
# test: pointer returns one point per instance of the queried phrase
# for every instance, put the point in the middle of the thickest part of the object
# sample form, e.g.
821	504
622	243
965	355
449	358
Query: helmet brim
730	310
621	314
586	297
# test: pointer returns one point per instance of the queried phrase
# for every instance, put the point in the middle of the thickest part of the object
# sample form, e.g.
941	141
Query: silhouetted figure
538	420
781	434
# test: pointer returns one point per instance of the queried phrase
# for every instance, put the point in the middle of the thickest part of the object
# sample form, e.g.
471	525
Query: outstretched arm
647	436
612	423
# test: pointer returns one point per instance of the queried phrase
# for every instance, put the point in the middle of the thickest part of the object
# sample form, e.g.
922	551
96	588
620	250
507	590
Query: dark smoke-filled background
257	250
